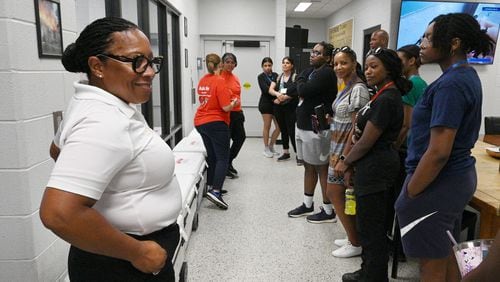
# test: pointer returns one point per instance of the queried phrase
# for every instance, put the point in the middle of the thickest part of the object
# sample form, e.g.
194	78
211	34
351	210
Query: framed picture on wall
185	27
48	28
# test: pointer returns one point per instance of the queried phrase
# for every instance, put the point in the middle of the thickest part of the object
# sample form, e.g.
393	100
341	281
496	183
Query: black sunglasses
140	63
344	49
375	51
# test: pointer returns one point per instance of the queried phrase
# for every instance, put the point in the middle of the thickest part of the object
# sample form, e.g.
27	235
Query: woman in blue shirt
445	125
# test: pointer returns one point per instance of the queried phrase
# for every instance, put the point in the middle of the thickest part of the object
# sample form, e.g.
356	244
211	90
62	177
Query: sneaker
341	242
347	251
284	157
267	153
299	161
274	151
352	276
301	210
232	170
322	217
231	175
216	198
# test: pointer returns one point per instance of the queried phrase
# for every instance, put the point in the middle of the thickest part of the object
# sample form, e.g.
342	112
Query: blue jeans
215	137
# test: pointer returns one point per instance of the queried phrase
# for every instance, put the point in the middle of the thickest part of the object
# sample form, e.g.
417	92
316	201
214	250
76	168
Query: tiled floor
255	240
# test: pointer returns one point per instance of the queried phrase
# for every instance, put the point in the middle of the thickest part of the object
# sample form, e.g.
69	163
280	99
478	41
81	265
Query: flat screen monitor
416	15
296	37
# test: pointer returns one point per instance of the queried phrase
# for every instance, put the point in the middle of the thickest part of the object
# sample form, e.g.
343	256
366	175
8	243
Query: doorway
249	59
367	34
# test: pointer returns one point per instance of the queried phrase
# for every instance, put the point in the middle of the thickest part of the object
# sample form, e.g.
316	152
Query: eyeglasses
376	51
345	49
315	53
140	63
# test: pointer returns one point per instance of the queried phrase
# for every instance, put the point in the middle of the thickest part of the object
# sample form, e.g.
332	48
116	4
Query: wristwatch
342	158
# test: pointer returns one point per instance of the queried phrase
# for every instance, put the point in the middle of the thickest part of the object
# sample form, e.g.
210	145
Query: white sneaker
273	151
341	242
267	153
347	251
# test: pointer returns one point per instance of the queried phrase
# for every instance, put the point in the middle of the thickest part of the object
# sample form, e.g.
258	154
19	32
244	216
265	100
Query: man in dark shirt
316	86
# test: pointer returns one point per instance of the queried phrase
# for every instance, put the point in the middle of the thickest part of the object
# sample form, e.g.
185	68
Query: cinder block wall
30	90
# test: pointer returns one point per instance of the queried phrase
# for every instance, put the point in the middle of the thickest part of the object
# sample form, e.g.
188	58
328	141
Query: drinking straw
451	238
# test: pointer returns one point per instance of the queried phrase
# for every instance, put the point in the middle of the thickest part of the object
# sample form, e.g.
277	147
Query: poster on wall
48	28
341	35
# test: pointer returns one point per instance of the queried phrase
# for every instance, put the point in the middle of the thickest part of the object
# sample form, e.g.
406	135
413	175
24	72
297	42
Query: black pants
84	266
237	134
215	137
286	118
371	218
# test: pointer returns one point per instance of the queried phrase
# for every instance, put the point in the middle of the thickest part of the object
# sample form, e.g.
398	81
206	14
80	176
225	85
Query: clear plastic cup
471	253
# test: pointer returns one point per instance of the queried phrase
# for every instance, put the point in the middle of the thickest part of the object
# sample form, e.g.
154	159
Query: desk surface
488	178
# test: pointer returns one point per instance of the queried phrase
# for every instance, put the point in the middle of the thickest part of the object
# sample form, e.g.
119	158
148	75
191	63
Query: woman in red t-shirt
212	122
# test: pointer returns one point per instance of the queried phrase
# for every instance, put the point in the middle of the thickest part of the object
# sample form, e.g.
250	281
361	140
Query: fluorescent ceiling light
302	6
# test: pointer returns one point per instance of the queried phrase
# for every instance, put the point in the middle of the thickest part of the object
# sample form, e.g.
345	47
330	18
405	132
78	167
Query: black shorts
266	106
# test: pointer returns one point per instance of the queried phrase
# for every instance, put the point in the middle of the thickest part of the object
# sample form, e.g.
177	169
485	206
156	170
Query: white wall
367	13
31	89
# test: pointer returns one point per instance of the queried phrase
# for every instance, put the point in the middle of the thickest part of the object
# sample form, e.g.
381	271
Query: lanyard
387	85
269	77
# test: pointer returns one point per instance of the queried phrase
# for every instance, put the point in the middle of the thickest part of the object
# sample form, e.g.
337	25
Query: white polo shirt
109	153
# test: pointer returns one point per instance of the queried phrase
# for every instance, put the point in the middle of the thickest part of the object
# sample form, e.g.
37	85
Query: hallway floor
255	240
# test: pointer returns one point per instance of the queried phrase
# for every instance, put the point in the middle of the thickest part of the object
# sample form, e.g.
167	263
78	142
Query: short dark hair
95	39
462	26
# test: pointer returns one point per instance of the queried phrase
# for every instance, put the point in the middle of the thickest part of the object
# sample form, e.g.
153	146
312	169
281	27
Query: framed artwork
185	27
48	28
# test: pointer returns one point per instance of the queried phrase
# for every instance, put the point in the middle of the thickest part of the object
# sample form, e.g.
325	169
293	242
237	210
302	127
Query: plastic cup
471	253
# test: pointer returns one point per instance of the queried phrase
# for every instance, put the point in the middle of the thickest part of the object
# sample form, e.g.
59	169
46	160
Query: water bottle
350	202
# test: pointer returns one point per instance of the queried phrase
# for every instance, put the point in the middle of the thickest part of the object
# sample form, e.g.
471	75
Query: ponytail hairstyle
212	61
95	39
462	26
411	51
394	67
265	60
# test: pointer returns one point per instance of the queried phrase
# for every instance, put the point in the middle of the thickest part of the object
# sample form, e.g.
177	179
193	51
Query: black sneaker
299	161
352	276
231	175
322	217
284	157
232	170
301	210
216	198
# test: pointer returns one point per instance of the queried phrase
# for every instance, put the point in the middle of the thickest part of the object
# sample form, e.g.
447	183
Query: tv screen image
416	15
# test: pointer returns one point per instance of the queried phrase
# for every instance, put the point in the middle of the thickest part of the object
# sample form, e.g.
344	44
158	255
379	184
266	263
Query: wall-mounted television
416	15
296	37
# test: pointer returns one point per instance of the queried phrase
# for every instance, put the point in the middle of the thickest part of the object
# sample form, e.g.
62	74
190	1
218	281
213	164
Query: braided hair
462	26
93	40
394	67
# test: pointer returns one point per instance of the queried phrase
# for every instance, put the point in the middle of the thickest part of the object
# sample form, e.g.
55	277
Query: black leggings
286	118
84	266
237	134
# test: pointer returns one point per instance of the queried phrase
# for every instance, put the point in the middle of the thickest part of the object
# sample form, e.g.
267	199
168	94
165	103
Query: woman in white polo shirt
112	193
